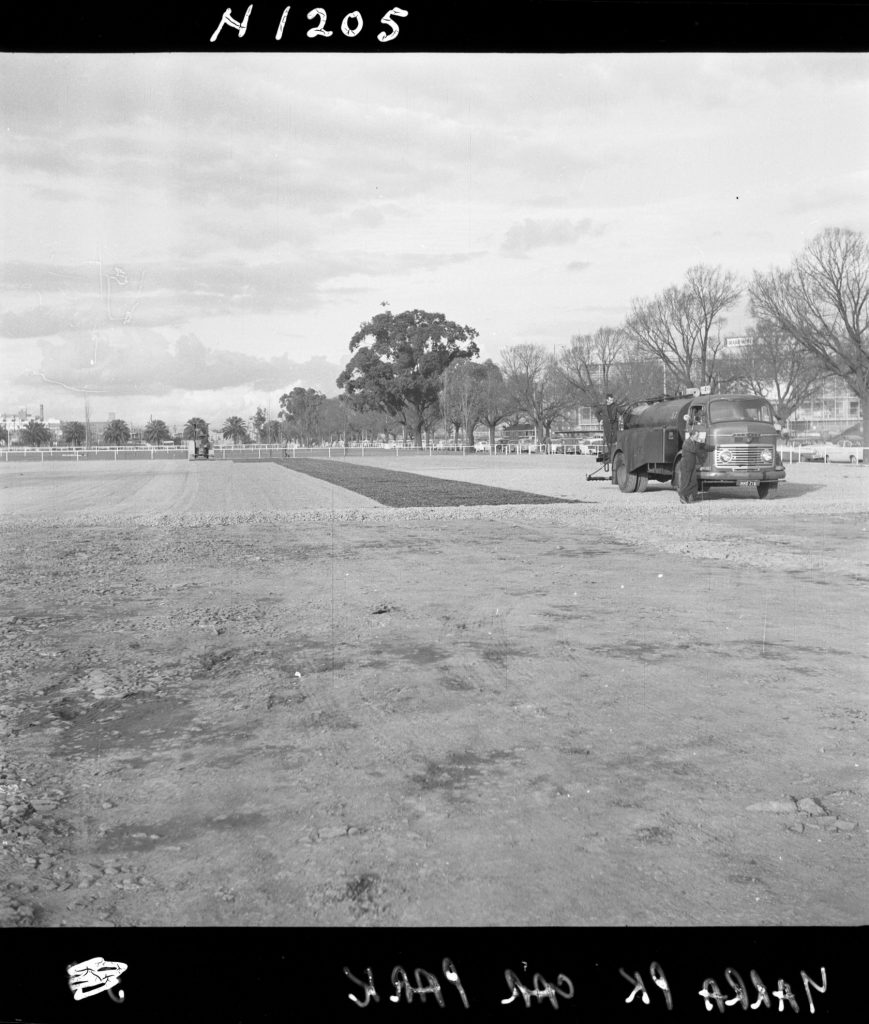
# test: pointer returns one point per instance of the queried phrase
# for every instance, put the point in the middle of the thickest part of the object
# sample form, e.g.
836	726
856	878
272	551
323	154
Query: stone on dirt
774	806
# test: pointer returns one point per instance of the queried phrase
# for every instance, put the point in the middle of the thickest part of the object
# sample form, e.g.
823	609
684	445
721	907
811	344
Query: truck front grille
743	456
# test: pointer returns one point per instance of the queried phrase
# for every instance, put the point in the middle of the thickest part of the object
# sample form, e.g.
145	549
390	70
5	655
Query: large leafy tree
156	432
822	302
34	434
73	432
235	430
116	433
267	431
681	325
398	362
536	386
302	409
258	422
195	427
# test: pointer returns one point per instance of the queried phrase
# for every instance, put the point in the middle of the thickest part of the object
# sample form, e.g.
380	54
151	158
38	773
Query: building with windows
833	409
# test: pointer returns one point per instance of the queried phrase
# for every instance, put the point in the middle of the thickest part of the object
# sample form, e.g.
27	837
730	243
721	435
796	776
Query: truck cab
738	433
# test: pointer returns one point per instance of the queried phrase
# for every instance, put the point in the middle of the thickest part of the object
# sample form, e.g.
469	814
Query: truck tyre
767	490
642	480
676	481
626	481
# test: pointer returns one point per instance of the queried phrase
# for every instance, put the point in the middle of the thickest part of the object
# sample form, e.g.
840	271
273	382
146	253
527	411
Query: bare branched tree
462	386
681	326
495	401
536	385
589	364
822	302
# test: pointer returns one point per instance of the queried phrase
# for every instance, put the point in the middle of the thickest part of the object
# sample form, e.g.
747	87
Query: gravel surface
204	677
730	524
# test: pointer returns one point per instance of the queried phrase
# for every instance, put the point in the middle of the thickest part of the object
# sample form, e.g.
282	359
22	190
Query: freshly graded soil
237	695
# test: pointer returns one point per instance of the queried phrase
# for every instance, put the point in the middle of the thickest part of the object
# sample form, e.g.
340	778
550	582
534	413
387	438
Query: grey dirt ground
234	695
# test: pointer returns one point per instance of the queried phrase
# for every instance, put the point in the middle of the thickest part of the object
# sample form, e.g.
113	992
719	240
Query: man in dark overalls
693	448
609	416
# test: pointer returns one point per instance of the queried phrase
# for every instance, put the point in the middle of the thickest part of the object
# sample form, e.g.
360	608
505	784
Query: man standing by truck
609	416
693	448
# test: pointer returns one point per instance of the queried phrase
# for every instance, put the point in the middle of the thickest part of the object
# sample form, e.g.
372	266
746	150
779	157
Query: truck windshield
740	409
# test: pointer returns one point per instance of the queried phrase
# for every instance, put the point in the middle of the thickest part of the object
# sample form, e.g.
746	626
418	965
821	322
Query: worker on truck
693	450
609	417
739	446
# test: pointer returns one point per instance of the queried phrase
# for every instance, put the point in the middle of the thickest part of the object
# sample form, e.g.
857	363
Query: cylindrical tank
658	414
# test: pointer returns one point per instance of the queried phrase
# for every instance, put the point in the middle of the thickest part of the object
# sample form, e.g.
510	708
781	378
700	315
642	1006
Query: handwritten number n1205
351	25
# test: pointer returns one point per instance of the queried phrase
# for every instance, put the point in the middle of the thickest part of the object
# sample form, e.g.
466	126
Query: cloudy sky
193	234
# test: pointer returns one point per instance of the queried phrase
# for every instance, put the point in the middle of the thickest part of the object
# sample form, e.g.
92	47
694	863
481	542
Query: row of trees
810	326
118	433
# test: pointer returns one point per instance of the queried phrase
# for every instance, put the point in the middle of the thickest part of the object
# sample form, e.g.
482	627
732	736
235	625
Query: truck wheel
676	481
767	490
626	481
642	480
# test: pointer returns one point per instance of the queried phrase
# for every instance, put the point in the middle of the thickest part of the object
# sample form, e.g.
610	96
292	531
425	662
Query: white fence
11	453
789	453
257	451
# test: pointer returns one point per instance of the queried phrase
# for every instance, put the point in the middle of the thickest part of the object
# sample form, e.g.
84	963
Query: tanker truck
741	442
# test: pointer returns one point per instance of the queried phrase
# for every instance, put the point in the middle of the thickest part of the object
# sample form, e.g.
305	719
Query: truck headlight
766	455
725	455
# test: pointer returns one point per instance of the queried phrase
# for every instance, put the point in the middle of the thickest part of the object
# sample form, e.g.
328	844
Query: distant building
14	424
832	410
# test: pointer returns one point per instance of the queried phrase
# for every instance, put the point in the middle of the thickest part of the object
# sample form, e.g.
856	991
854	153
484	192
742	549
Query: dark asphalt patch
397	489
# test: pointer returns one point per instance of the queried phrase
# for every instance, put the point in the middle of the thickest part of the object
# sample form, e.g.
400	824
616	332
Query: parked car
562	446
482	446
846	451
592	446
853	434
800	452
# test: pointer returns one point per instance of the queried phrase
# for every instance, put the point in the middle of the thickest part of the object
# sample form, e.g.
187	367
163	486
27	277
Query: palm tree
73	432
194	428
34	433
156	431
235	430
116	433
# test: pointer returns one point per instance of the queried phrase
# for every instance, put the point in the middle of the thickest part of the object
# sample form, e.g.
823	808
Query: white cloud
267	203
536	234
